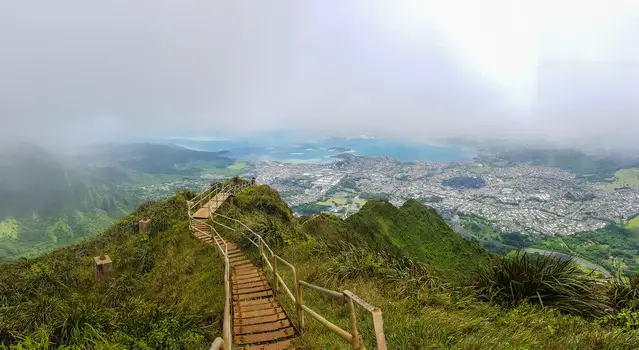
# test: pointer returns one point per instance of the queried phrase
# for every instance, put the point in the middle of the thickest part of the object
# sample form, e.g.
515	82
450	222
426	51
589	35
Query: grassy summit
436	290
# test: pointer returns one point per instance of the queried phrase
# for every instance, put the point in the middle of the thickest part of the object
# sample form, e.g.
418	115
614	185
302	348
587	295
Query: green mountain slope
49	204
409	263
419	233
164	290
49	201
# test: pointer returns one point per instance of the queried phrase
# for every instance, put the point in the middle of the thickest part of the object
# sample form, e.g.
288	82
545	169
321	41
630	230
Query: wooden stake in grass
101	267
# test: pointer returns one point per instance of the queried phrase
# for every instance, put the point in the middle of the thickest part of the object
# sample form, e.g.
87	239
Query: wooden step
257	313
252	290
256	295
253	302
244	273
262	327
258	283
240	264
255	307
241	283
238	258
247	270
286	344
264	337
239	278
260	319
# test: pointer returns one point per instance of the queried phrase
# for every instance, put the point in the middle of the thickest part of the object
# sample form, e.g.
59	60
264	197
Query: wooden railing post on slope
228	340
275	281
353	319
298	302
377	318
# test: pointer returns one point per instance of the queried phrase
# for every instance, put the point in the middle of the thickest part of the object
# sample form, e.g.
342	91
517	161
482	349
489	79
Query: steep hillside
165	290
150	158
417	232
45	204
409	263
49	201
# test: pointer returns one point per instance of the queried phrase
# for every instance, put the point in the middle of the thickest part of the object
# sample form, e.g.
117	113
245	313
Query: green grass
333	200
424	305
523	277
431	313
237	166
633	224
165	290
598	246
360	202
622	178
9	228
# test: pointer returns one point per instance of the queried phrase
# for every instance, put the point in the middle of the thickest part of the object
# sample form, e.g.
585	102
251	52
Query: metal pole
275	281
379	329
353	319
299	301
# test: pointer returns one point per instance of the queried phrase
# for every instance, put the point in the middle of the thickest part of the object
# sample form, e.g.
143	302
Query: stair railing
271	260
203	198
223	250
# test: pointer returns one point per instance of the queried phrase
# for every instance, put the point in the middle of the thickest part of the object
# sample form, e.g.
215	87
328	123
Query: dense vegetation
50	201
595	167
310	208
152	158
436	289
404	261
495	241
612	247
416	232
164	290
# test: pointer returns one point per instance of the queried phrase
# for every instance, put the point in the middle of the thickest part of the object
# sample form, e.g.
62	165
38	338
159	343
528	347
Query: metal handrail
227	328
296	295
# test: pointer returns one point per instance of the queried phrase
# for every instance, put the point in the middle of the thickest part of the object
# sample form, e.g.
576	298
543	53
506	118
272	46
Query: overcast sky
110	70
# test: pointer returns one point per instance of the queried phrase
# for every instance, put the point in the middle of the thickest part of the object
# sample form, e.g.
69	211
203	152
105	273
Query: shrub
624	293
407	277
540	279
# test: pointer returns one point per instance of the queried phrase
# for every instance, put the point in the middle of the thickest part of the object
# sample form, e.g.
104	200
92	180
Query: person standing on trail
253	181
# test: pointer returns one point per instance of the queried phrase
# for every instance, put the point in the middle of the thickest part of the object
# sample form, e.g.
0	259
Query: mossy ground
165	291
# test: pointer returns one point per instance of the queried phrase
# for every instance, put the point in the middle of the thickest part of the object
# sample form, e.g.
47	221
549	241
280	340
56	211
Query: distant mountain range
49	200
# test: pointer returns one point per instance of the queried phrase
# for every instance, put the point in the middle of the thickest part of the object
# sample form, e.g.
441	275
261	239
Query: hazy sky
100	70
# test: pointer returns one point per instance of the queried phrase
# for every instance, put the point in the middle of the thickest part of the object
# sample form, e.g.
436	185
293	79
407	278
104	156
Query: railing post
275	281
298	302
378	323
353	318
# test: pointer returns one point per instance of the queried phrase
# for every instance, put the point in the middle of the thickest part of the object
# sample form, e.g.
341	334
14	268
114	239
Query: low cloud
73	71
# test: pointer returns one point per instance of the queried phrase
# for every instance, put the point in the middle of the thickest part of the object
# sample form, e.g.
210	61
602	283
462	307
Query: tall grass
624	293
164	291
541	279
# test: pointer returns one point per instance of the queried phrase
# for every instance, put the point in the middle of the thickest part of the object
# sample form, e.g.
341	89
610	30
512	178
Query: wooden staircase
259	321
211	206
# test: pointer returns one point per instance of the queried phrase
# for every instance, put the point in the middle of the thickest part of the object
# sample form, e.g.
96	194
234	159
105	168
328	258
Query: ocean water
324	151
